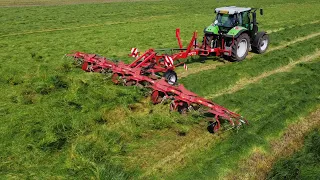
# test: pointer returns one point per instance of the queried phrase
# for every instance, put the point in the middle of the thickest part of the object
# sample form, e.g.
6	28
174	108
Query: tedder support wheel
262	45
241	47
183	109
171	77
212	127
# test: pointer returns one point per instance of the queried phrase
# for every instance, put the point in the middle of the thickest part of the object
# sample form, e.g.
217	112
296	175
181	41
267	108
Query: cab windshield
226	20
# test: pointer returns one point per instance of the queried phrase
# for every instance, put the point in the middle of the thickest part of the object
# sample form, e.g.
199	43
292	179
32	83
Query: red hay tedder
156	71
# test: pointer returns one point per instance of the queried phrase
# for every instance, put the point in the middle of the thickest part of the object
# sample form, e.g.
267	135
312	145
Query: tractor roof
231	10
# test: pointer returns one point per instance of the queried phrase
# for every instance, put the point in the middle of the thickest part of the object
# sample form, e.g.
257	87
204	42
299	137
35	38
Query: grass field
303	164
58	122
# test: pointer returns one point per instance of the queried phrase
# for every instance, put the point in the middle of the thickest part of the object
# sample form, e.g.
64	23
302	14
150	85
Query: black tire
235	56
262	45
183	109
211	127
171	77
210	41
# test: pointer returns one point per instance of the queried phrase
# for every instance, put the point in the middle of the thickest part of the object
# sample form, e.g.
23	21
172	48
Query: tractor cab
234	32
229	17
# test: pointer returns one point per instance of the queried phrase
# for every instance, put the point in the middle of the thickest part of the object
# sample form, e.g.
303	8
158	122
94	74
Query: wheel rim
242	48
172	79
264	44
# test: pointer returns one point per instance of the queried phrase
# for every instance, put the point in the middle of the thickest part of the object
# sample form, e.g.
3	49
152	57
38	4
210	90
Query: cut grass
269	113
24	3
245	82
259	163
226	76
197	143
303	164
59	122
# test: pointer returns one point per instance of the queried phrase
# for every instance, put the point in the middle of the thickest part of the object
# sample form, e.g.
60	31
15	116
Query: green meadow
58	122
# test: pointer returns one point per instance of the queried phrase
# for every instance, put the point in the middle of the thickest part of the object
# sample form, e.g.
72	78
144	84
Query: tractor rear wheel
262	45
240	47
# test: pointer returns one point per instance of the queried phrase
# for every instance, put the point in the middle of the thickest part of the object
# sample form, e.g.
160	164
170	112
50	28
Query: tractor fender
238	34
212	29
236	31
257	38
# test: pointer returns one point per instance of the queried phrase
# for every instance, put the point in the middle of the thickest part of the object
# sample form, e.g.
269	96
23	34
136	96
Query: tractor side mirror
261	11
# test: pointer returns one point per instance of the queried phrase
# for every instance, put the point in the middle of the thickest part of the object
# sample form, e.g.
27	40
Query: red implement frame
143	71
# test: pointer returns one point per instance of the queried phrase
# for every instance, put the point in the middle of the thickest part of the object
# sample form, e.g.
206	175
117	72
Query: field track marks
24	3
201	141
213	66
197	142
204	67
283	28
245	82
59	29
258	164
289	43
84	26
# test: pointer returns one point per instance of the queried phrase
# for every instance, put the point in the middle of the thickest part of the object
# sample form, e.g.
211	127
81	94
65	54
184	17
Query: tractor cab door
245	20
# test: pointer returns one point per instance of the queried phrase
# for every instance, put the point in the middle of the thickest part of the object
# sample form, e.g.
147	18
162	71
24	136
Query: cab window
245	19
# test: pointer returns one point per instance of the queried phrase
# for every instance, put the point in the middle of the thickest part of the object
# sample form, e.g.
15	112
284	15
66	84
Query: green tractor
234	33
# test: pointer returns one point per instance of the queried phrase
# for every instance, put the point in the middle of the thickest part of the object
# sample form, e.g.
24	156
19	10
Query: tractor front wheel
262	45
241	47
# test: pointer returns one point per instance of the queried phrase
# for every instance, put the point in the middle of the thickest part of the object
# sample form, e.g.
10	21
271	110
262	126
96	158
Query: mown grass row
259	163
270	105
303	164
